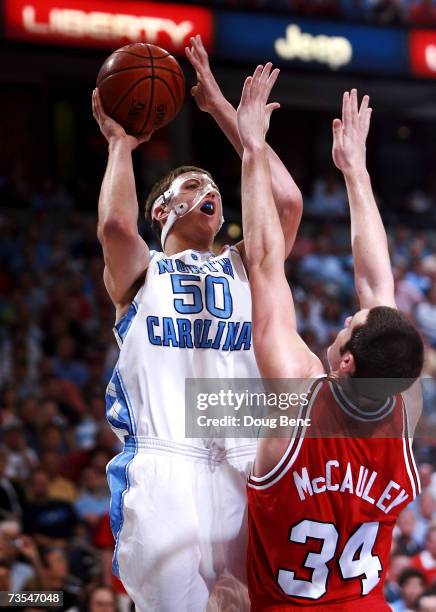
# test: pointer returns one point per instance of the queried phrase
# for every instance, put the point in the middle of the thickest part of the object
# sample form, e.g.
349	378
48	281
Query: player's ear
347	367
160	213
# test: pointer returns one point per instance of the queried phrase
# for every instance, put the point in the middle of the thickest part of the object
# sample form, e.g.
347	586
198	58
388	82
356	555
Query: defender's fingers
195	62
362	110
346	111
271	81
200	49
338	131
272	106
266	72
256	77
367	121
354	107
246	90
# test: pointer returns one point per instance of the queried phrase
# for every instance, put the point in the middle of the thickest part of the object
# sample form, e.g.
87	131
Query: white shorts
178	514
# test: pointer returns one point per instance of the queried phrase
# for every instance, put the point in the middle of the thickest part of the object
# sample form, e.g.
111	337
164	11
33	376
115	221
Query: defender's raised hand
110	129
206	92
254	112
349	135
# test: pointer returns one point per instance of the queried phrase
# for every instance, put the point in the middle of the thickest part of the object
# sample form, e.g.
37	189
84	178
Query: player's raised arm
372	267
280	352
287	196
125	252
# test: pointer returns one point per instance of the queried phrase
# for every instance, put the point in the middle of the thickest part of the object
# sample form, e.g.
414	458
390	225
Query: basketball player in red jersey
322	510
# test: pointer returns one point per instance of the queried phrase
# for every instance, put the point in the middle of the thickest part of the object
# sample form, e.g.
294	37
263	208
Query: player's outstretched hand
206	92
110	129
350	133
254	112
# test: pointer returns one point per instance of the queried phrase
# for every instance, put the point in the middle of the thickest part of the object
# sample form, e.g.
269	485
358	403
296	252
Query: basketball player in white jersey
178	505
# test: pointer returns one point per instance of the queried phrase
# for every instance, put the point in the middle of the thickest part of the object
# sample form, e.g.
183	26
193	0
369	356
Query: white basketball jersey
190	319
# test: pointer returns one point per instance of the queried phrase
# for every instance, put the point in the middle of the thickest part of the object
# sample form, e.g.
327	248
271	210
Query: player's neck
351	392
177	244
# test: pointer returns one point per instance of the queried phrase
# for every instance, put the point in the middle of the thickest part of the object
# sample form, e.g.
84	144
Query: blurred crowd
416	12
56	357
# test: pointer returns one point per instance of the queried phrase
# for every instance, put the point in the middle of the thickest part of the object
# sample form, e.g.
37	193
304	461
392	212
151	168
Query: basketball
142	87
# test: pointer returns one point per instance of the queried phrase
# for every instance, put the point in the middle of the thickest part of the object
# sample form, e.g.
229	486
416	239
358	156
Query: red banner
106	24
422	50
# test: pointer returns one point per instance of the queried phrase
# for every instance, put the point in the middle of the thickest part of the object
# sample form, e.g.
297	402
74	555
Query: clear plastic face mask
185	193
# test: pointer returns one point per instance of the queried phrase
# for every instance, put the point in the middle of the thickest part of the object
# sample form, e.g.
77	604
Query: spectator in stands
53	575
94	498
103	540
425	314
422	12
425	511
48	520
65	363
11	493
329	198
101	599
407	294
60	488
427	601
388	11
405	542
398	563
425	561
412	585
20	459
18	552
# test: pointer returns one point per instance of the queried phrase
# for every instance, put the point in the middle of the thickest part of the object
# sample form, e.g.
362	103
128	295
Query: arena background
56	344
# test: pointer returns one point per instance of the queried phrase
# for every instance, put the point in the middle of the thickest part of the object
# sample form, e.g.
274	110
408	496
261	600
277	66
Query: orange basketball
142	87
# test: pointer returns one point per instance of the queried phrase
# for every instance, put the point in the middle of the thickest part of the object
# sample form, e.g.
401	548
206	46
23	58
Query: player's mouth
208	207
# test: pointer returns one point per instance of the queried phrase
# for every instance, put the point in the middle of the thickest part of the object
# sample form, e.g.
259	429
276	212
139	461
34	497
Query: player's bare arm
372	268
280	352
125	252
208	95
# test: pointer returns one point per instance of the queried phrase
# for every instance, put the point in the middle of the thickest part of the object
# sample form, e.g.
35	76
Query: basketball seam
161	68
170	91
147	117
122	99
143	56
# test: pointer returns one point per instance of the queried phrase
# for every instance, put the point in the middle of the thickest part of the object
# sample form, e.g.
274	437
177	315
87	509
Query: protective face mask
186	184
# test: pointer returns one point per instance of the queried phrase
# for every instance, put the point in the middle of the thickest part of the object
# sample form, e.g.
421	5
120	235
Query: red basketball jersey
320	523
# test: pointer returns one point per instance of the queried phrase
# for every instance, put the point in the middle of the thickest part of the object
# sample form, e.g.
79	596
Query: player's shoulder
155	256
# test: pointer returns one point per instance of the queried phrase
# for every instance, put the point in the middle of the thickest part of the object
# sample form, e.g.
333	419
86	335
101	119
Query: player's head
186	201
378	343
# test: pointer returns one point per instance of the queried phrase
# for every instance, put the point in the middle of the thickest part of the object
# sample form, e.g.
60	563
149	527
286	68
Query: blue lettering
209	266
226	265
184	328
205	341
232	331
181	267
165	265
219	333
244	337
169	333
151	321
198	328
211	283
